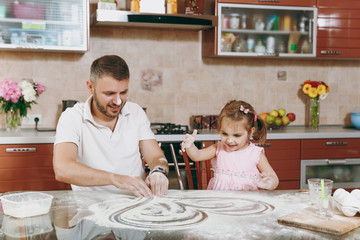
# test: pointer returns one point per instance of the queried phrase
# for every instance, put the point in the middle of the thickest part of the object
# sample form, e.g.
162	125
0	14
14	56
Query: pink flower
40	88
10	90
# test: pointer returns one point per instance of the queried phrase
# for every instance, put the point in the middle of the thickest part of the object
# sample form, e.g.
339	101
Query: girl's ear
252	130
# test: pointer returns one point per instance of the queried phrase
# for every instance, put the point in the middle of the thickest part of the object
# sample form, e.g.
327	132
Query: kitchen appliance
68	103
173	150
169	128
344	172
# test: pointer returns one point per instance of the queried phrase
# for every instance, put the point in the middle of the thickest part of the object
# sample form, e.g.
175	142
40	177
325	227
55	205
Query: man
99	144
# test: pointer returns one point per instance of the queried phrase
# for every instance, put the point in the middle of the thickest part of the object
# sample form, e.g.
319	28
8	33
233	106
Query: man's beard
102	108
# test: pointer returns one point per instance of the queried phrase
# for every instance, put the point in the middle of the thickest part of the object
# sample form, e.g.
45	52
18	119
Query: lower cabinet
284	158
28	167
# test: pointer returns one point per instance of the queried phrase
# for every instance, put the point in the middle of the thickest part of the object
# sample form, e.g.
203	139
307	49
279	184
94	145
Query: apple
291	116
282	112
278	121
274	113
263	116
285	120
270	119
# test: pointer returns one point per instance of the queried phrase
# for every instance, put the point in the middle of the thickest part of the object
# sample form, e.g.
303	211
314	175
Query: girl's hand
188	141
265	181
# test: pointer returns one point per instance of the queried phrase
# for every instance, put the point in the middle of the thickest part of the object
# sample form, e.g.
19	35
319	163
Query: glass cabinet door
44	25
263	30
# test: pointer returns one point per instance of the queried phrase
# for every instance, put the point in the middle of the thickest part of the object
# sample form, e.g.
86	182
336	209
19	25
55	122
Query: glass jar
234	21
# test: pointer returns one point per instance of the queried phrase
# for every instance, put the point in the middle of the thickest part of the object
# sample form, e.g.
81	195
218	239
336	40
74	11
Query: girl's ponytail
260	131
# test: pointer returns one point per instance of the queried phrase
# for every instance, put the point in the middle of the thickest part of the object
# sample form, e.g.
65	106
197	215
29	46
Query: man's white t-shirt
99	147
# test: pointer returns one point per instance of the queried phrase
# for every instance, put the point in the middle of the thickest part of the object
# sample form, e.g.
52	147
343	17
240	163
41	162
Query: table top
191	214
31	136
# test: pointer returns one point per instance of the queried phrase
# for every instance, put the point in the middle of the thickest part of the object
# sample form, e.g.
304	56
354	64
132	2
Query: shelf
117	18
267	32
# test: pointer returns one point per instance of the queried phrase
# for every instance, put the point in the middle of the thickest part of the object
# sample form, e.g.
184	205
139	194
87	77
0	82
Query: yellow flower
306	88
321	89
312	92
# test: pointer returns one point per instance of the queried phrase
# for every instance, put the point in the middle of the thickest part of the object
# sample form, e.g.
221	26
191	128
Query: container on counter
171	6
250	44
234	21
270	44
135	5
259	47
225	22
194	7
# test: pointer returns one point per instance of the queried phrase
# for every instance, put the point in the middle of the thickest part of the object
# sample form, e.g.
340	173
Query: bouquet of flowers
16	98
315	90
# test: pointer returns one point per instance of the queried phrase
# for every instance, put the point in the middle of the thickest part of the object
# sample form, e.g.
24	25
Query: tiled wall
188	83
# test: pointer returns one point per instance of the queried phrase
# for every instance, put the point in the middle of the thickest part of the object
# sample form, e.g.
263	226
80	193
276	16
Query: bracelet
162	160
159	169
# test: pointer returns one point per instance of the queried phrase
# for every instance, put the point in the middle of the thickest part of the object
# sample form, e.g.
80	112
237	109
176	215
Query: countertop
31	136
192	214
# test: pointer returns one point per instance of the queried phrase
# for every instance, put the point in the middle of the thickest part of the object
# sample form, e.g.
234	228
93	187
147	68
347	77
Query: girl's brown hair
232	110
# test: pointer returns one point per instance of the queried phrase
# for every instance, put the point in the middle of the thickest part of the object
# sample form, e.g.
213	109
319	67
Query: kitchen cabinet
44	25
302	3
338	33
284	158
262	30
335	159
28	167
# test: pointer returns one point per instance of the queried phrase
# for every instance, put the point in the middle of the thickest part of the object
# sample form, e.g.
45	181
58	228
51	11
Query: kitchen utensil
308	219
68	103
27	204
355	119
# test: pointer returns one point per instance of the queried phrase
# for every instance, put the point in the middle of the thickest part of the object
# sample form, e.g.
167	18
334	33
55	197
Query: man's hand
188	141
158	183
134	184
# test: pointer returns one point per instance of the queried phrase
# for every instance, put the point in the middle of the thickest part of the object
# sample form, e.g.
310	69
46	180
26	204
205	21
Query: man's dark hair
109	65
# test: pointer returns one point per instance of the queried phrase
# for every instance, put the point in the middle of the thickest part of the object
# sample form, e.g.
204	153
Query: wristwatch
159	169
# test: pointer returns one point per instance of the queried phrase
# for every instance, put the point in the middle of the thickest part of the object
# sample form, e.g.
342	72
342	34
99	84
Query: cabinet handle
311	22
268	54
330	52
336	143
336	162
263	144
10	150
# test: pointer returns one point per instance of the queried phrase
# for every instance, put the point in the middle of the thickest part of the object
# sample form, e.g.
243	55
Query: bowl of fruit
276	119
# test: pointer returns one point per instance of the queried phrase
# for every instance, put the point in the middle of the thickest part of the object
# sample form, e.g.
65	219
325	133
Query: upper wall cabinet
297	3
258	30
338	29
47	25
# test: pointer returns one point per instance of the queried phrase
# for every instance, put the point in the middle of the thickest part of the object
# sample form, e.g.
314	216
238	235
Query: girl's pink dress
235	170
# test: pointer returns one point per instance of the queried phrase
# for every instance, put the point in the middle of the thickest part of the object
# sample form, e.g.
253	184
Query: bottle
171	6
270	44
250	44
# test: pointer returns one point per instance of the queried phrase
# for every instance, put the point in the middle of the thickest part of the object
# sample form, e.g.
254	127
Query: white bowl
26	204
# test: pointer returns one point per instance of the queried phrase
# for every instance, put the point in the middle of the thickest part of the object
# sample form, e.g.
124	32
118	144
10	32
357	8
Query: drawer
23	161
284	158
26	174
10	150
338	148
33	185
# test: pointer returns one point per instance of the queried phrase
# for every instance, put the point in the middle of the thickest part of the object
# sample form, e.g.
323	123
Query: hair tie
244	110
255	116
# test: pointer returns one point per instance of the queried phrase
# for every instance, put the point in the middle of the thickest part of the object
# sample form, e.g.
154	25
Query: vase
13	120
314	112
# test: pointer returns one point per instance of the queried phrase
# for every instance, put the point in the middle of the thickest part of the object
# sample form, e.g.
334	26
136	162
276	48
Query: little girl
238	164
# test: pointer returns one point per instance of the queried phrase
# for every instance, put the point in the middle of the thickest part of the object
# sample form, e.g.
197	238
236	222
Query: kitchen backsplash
171	79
